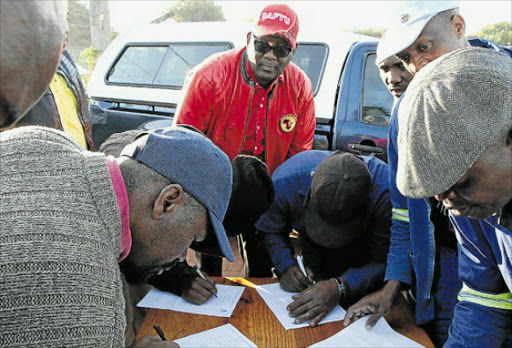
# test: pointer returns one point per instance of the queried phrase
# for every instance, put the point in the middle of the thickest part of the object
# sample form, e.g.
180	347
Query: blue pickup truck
137	81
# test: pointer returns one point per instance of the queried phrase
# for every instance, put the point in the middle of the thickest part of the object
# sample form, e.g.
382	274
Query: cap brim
215	244
398	38
261	31
332	235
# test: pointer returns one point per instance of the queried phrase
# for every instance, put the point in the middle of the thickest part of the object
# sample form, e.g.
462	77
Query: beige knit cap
453	109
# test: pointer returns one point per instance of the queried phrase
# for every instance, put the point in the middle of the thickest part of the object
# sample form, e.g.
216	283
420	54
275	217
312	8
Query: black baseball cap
337	199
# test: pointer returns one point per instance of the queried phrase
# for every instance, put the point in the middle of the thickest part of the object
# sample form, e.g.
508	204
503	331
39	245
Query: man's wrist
340	283
392	288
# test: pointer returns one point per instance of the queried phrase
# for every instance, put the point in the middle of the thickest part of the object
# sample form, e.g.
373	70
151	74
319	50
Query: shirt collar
124	208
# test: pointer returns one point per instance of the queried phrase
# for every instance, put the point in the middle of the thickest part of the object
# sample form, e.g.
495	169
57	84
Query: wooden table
257	322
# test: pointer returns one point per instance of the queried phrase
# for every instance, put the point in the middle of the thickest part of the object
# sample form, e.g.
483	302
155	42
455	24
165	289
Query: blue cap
187	157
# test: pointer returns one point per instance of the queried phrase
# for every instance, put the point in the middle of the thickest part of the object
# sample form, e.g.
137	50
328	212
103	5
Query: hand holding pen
152	341
300	261
159	332
295	278
200	290
210	280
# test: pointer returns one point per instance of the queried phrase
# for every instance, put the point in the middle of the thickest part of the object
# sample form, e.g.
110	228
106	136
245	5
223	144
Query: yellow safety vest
67	106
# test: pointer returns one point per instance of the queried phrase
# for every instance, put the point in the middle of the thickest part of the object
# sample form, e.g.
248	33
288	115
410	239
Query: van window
160	65
311	58
376	100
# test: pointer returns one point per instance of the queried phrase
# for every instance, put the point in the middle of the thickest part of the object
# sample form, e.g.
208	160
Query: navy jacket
485	268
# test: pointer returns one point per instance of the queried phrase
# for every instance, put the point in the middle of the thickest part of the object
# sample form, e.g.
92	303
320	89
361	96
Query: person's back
95	217
71	260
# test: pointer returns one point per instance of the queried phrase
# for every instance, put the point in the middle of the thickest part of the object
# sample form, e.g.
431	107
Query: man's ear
166	200
292	54
249	37
458	25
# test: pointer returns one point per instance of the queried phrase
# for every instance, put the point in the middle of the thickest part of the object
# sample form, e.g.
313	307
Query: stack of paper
221	306
356	335
223	336
277	299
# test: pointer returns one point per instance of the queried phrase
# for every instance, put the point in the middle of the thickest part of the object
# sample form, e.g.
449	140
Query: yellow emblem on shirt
287	123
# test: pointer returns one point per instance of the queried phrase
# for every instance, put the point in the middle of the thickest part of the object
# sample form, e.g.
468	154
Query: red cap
278	20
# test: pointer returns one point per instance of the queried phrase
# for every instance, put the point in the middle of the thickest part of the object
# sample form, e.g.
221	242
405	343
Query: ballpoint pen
300	261
201	275
159	332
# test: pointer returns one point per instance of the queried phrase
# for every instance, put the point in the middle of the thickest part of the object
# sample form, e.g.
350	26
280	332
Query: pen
300	261
201	274
159	332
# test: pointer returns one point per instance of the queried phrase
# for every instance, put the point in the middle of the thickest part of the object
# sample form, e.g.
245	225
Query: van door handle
366	148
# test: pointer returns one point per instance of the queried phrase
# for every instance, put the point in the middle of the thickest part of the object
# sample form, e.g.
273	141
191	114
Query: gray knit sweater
59	244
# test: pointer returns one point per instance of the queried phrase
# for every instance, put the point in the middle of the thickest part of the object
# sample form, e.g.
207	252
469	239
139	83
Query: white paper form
356	335
222	336
277	299
221	306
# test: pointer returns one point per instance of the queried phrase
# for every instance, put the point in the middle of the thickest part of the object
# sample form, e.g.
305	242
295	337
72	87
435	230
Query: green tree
501	33
79	26
88	59
196	11
375	32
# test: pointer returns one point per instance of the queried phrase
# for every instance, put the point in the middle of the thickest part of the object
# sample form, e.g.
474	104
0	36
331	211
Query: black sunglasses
264	47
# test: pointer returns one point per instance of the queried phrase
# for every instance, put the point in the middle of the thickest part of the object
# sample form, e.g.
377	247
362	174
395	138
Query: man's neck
506	216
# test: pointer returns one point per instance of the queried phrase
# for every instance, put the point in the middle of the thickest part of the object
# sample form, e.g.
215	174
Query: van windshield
167	65
160	65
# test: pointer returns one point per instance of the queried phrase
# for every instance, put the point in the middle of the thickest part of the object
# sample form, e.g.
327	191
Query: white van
139	77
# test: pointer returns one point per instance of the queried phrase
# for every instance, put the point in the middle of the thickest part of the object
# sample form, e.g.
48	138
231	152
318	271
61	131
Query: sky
344	14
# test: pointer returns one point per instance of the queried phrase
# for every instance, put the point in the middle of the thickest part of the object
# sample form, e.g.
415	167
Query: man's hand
199	290
378	304
293	280
315	302
153	342
185	281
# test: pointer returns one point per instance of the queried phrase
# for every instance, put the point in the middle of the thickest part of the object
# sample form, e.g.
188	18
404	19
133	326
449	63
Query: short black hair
115	143
252	194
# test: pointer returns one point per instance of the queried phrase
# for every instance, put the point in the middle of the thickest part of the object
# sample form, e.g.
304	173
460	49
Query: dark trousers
255	255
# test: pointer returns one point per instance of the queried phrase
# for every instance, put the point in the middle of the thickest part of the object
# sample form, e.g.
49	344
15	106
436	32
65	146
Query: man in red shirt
253	100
